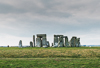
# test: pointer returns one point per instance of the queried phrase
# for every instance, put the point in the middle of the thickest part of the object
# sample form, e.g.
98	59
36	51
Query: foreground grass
72	57
49	63
71	52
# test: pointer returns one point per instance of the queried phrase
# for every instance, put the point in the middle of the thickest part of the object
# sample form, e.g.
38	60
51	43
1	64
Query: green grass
74	52
49	63
71	57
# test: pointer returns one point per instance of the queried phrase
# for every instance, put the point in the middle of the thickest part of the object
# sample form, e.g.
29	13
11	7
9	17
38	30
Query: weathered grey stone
78	42
56	45
31	44
61	42
38	42
20	43
41	35
73	41
55	40
51	44
33	40
59	35
48	44
45	46
44	41
66	44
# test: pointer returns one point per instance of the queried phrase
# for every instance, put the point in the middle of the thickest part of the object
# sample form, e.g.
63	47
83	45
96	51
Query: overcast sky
21	19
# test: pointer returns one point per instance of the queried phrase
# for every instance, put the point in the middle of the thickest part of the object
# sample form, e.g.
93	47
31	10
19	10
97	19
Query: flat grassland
71	57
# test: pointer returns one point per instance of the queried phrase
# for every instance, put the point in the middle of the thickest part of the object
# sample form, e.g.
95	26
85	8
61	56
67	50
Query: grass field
72	57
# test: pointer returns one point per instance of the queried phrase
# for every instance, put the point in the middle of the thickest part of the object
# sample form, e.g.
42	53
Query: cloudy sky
21	19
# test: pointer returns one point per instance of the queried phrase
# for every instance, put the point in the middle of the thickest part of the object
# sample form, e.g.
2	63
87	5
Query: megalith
41	35
38	42
31	44
33	40
78	42
73	41
48	44
42	40
61	42
66	44
20	43
55	41
51	44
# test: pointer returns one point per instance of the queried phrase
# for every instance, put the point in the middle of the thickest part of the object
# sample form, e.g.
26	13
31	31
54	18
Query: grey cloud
34	9
5	8
50	8
27	28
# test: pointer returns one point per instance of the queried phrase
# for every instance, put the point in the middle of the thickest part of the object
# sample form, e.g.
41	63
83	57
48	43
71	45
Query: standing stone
78	42
8	46
43	39
20	43
33	40
48	44
44	42
38	42
66	42
51	44
61	42
73	41
31	44
55	41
